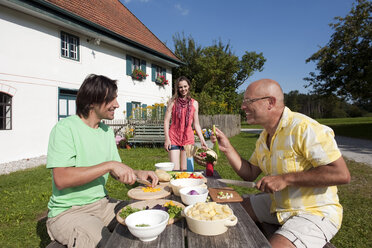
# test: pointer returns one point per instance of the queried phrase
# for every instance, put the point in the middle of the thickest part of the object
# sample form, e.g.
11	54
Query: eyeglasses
248	101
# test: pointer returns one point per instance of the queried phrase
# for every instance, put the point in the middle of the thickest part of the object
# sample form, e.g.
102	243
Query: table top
244	234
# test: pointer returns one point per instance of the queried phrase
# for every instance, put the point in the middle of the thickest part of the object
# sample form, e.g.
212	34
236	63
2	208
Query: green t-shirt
72	143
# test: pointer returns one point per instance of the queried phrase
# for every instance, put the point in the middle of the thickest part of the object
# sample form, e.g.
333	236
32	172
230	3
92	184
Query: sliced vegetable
142	225
222	195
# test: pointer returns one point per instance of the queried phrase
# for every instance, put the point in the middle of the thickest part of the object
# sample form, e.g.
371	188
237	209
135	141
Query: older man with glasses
301	164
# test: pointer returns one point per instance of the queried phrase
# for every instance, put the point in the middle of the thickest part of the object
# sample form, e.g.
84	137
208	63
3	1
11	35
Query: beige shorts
303	230
84	226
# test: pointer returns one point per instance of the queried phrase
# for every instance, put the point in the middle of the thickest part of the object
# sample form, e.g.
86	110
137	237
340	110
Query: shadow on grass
41	231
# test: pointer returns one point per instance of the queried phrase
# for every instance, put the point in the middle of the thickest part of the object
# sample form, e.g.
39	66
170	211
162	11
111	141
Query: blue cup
190	164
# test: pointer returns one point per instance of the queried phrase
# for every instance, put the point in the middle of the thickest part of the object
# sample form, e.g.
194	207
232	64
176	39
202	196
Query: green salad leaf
127	211
174	212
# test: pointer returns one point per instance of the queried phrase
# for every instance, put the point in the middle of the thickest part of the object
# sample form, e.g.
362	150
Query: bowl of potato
209	218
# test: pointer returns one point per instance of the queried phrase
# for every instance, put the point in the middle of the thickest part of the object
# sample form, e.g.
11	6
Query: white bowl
167	166
177	184
209	227
192	199
157	219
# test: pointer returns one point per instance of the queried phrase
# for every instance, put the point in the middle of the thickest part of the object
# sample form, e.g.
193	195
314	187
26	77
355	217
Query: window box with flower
138	74
161	80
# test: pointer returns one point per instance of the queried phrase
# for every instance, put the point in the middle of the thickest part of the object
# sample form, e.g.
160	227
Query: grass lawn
358	127
25	194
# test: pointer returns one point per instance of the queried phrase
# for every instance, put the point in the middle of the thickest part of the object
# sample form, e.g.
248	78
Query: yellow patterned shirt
299	144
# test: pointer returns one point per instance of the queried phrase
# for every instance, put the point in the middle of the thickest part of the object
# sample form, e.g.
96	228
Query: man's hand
223	141
146	175
123	173
271	184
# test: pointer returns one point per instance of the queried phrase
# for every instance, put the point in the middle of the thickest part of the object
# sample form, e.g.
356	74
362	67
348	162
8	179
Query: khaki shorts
303	230
84	226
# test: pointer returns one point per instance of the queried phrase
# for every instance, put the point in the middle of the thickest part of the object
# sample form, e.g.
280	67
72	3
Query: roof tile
114	16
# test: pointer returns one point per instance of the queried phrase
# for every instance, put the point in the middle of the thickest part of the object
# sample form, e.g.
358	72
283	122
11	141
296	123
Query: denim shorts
175	147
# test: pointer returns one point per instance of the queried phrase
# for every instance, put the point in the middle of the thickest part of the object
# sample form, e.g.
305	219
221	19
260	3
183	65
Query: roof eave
59	16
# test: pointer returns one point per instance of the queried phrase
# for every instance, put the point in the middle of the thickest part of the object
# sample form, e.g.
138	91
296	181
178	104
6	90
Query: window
135	63
5	111
66	103
69	46
136	111
157	71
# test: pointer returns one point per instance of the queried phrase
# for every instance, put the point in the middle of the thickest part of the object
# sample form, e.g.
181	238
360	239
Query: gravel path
358	150
7	168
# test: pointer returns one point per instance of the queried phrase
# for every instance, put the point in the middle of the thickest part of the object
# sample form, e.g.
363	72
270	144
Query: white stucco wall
30	63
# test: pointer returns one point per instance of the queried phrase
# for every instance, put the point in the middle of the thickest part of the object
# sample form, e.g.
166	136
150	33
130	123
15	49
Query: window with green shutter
156	71
134	63
66	102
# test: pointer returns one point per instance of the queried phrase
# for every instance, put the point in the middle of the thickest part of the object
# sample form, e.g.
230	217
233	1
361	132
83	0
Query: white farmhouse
48	47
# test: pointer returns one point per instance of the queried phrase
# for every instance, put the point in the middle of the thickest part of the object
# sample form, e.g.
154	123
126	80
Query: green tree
215	73
345	63
188	52
317	106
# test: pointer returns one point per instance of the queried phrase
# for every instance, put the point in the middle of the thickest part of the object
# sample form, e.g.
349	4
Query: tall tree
186	49
215	73
345	63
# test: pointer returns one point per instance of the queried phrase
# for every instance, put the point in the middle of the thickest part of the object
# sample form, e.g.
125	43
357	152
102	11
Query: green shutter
129	65
144	111
153	72
143	66
129	109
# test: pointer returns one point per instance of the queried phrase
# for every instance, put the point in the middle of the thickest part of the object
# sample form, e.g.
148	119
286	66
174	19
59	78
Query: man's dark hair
96	89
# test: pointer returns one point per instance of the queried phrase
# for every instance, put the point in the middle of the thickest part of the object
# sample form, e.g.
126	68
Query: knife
145	182
238	183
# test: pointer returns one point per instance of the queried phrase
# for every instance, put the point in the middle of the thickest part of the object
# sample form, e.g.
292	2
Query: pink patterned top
179	134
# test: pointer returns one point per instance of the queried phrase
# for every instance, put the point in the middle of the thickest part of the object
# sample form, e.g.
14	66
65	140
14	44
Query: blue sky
287	32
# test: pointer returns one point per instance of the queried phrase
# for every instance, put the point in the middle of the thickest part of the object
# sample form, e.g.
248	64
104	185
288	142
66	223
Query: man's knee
81	237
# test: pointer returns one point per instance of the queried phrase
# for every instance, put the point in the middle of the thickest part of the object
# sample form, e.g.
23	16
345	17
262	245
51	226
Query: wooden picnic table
244	234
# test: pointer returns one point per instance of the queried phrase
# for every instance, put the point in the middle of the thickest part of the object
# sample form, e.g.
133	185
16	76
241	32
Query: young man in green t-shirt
81	153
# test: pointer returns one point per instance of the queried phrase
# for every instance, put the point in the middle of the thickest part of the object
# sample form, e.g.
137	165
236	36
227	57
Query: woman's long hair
176	90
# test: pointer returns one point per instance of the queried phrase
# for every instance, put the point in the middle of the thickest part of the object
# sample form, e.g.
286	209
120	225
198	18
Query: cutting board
138	194
213	192
150	204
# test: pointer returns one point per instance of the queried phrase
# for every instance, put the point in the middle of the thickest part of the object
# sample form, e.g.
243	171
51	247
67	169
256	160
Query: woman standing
183	110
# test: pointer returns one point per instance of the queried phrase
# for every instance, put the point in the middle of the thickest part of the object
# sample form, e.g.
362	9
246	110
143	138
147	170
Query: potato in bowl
210	218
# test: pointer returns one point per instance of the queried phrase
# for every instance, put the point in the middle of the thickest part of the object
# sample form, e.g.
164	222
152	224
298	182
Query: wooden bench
148	134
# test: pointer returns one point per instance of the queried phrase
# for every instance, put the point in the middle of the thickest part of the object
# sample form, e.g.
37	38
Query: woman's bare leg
183	160
174	156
